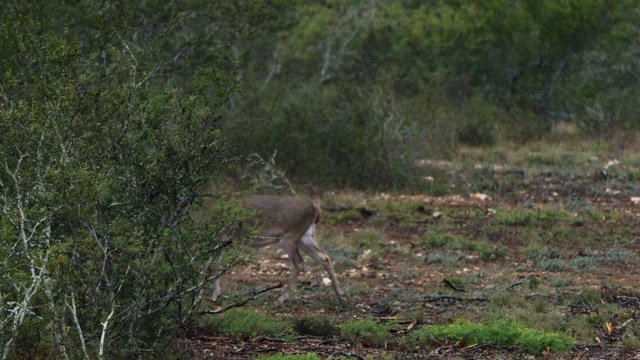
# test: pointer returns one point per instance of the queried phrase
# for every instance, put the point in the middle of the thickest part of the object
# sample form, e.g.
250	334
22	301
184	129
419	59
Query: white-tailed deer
290	221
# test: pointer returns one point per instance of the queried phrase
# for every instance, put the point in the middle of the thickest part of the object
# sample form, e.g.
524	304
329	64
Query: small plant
441	241
533	282
546	258
583	263
587	297
631	341
342	257
538	252
541	305
245	324
446	258
553	265
367	331
315	326
369	238
489	252
618	255
499	332
561	282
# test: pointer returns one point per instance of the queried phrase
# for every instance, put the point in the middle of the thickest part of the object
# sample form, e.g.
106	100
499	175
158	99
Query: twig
453	299
351	354
514	284
450	284
243	302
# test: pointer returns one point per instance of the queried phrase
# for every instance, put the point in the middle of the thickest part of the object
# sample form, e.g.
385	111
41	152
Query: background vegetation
115	115
351	93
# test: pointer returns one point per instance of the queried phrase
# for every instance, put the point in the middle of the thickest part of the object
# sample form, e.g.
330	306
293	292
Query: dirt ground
397	285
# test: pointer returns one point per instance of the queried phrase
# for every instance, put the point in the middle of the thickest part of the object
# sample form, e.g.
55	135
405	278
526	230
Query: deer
291	222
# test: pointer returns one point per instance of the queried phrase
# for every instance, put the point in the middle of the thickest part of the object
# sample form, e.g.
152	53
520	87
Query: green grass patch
542	215
366	331
369	238
315	326
491	252
337	217
498	332
245	324
446	240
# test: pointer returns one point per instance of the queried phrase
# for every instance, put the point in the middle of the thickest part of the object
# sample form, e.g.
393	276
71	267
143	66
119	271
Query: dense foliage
109	122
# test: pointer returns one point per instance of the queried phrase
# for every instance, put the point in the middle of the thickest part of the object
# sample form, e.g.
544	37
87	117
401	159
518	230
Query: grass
369	238
315	326
538	216
246	324
446	259
498	332
366	331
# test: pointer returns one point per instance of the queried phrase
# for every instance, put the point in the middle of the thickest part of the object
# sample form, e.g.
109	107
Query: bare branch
74	313
514	284
105	324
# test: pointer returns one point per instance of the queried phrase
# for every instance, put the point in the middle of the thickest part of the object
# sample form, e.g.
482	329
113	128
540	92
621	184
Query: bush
478	124
334	135
103	158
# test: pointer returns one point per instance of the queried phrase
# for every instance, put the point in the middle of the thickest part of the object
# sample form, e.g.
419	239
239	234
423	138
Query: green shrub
499	332
367	331
478	124
103	158
332	134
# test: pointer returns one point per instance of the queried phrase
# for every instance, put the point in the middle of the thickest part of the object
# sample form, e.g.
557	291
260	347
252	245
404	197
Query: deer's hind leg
290	245
309	246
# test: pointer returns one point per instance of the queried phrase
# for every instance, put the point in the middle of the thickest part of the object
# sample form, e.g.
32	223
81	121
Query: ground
556	251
